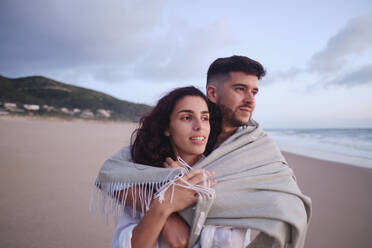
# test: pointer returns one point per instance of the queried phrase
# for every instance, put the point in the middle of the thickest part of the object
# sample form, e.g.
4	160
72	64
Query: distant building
87	113
49	108
103	113
76	111
12	107
31	107
66	111
3	112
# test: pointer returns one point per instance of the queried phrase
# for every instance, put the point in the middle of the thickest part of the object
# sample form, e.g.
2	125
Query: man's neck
226	132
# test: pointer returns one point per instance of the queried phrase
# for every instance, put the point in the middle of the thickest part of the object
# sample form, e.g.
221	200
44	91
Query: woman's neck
190	159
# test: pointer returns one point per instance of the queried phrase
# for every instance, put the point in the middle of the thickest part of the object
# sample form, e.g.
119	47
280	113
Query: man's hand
175	232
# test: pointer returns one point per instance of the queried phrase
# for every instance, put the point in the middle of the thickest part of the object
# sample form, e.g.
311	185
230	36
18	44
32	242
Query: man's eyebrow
243	85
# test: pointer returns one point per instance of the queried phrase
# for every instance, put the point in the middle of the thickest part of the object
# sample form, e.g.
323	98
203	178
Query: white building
76	111
65	110
12	107
87	114
31	107
103	113
49	108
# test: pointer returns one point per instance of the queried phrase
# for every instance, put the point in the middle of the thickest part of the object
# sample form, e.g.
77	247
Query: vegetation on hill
56	98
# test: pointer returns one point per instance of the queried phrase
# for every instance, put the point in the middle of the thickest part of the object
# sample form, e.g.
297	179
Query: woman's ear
212	93
166	133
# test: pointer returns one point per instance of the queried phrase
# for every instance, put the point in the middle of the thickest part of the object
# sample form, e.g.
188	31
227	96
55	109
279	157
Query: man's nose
249	97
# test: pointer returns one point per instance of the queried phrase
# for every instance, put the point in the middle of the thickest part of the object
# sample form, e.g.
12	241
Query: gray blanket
256	189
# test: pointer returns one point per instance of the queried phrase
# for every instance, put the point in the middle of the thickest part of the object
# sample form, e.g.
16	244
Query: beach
48	166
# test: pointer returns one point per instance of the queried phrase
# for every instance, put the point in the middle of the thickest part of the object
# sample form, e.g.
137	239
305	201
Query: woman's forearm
146	233
179	197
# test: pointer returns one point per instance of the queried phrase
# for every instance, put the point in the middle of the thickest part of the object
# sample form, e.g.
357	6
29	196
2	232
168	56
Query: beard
229	116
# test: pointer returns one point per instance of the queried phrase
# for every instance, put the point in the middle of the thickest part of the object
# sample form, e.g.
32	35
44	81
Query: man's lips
246	109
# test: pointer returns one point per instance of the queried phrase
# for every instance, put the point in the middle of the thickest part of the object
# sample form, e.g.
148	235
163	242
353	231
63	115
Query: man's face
236	98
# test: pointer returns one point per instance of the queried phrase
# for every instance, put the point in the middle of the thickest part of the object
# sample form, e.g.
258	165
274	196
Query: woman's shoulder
123	154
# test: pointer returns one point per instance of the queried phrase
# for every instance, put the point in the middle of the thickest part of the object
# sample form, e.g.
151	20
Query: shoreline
119	122
337	163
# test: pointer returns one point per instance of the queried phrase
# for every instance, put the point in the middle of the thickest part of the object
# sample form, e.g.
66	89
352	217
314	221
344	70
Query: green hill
38	90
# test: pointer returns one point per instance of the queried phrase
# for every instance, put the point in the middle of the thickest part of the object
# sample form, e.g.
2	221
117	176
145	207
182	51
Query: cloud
112	41
332	64
359	76
176	53
351	40
282	76
68	33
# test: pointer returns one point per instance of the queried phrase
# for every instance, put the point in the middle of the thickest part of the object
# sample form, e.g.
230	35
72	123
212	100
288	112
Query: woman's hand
184	197
170	163
148	230
175	231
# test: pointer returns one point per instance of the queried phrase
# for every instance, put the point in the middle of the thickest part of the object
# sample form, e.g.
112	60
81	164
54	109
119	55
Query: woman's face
189	128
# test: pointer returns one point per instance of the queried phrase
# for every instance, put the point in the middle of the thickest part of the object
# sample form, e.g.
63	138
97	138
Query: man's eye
239	89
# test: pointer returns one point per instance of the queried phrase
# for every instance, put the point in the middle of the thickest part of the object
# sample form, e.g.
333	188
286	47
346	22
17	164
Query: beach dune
47	169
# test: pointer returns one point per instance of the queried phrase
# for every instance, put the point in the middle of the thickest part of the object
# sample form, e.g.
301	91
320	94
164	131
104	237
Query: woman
178	128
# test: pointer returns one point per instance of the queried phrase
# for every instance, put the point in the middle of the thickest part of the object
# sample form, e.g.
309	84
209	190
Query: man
252	158
232	84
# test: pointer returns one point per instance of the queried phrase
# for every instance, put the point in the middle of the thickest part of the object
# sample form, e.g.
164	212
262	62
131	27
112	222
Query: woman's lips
199	140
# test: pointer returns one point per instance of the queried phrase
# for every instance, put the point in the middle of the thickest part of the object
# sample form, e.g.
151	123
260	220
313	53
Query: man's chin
237	122
242	120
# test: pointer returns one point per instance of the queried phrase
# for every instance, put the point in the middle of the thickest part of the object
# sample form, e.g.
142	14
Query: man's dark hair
221	68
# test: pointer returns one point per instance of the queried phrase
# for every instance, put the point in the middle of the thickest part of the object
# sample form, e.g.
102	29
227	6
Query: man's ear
212	93
167	133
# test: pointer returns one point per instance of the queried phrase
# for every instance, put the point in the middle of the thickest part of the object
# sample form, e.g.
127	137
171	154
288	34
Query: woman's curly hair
150	146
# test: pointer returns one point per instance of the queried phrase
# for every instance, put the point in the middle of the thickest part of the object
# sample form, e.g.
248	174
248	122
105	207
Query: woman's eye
205	118
185	118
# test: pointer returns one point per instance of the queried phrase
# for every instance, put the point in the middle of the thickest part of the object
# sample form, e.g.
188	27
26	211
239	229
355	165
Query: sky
317	54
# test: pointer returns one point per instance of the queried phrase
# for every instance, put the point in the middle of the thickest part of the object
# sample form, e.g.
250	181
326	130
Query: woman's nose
197	125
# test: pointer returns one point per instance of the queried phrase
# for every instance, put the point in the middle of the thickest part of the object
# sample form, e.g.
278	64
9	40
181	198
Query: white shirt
211	236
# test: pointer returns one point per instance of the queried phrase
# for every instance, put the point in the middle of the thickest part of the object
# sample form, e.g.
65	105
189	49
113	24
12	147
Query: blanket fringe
110	198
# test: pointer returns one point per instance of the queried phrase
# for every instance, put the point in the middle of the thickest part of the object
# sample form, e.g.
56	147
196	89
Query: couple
210	153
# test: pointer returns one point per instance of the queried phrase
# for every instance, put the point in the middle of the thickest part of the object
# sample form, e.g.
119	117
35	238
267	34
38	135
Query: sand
47	168
342	202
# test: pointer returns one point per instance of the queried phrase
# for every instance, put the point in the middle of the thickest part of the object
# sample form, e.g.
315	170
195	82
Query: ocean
350	146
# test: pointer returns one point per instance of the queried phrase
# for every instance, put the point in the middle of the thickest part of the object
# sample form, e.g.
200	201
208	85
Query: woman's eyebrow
190	111
185	111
